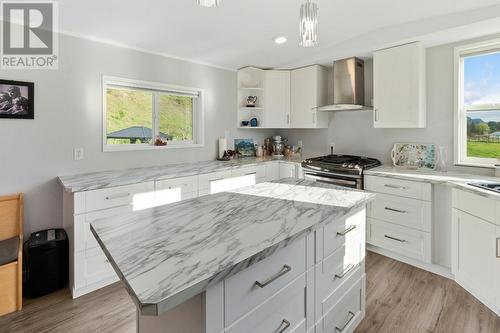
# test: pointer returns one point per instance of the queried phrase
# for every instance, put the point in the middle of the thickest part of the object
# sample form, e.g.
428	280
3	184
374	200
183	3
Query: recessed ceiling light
209	3
280	40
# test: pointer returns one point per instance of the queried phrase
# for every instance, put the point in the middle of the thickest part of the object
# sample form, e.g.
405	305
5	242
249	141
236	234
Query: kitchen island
246	260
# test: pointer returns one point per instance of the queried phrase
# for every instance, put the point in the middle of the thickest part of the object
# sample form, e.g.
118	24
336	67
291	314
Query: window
136	113
477	139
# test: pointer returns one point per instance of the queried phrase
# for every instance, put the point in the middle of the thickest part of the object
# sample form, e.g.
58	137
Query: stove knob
344	165
350	166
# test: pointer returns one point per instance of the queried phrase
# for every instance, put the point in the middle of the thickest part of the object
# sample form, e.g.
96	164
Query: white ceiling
241	32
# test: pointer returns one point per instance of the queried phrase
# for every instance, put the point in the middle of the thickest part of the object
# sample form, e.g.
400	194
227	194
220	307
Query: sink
495	187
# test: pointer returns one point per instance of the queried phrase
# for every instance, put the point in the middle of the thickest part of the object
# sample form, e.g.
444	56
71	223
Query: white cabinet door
309	87
497	270
277	99
287	170
272	171
476	257
399	87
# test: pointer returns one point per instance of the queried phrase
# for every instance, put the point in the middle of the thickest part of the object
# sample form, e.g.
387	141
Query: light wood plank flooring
400	299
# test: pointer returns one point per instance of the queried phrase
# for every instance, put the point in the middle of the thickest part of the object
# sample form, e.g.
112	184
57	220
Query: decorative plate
414	155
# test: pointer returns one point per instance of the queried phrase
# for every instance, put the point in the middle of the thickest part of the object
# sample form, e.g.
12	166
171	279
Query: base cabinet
476	251
296	289
89	268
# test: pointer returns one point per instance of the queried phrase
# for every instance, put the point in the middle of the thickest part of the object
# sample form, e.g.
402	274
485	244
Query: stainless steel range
342	170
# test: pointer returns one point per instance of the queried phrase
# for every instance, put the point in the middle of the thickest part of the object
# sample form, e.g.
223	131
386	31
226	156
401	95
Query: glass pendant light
308	24
209	3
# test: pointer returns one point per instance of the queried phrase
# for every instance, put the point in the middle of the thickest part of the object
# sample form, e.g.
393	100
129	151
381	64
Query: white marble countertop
168	254
455	179
113	178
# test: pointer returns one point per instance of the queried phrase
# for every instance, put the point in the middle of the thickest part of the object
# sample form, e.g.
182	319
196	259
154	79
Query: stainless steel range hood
348	86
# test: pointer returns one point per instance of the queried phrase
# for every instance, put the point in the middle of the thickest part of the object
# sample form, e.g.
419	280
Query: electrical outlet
299	143
78	154
332	147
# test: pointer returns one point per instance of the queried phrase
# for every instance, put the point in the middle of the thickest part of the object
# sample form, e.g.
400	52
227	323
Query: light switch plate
78	154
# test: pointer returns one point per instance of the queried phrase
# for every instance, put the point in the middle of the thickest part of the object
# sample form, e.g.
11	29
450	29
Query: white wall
68	115
353	132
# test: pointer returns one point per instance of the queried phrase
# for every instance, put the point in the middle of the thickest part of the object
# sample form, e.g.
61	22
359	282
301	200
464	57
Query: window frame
460	110
156	88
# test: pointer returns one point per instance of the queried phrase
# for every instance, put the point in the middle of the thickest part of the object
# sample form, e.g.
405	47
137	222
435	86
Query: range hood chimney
348	86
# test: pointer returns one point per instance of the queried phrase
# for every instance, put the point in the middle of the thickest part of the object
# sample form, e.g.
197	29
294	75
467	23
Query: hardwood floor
400	299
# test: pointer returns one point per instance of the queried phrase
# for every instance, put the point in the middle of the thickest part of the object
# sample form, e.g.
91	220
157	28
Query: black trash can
46	255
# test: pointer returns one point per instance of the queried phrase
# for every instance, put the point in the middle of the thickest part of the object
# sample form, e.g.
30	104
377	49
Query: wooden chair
11	250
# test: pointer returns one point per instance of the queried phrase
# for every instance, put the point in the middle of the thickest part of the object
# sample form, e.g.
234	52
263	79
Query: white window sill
108	148
475	165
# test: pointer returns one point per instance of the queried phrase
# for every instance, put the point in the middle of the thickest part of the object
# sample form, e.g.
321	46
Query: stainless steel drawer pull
346	271
285	324
351	317
250	173
395	187
396	210
396	239
283	271
498	248
117	196
346	231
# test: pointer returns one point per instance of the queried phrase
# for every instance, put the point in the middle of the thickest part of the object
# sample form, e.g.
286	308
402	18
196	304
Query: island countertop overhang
168	254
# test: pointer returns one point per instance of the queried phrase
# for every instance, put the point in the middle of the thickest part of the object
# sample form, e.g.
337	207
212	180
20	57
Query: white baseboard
436	269
75	293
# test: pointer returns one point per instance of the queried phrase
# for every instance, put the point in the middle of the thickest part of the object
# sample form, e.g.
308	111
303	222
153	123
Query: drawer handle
285	324
346	231
396	210
396	239
346	271
118	196
250	173
351	315
498	248
395	187
283	271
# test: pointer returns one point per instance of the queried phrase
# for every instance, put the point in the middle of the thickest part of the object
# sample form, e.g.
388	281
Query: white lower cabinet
287	170
476	249
297	289
400	218
89	268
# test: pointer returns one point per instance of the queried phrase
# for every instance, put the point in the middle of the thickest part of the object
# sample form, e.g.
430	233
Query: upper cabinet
277	99
309	87
285	99
399	87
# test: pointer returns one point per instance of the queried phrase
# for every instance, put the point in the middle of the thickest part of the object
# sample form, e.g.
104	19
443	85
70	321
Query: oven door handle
331	180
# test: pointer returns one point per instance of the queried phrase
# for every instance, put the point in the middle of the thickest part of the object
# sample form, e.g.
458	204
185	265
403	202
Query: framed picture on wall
17	99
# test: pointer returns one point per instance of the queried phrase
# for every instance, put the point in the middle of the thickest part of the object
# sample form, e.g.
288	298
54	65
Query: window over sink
477	130
138	113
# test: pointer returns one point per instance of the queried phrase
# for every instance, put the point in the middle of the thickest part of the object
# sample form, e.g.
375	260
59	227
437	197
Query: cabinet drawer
258	171
402	240
260	281
138	195
284	312
402	211
475	204
339	268
344	231
187	184
346	313
402	188
214	182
